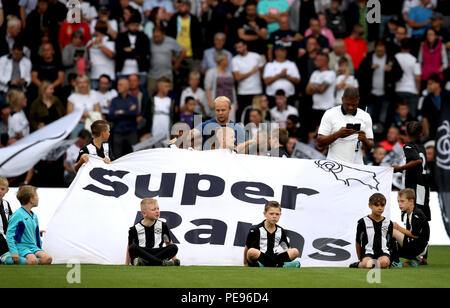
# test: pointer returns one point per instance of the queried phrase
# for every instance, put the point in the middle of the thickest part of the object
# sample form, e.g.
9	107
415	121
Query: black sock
283	257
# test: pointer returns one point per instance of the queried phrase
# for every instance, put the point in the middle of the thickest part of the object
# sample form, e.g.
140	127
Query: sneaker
396	265
177	262
170	262
295	264
423	262
412	263
354	265
139	262
259	264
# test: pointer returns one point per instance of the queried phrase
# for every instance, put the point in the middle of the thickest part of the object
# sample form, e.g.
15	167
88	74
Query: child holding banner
23	235
267	243
146	239
98	146
5	215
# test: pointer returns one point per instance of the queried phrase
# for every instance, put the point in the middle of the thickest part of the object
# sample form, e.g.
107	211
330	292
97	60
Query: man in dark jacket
133	49
378	74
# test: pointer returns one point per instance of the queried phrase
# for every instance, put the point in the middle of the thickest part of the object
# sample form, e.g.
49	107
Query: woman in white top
18	125
83	99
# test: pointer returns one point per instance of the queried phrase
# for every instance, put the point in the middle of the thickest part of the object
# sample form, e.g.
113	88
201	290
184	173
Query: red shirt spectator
66	31
356	46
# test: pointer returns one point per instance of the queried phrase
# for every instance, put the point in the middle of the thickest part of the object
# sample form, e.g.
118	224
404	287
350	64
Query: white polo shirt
251	85
344	149
325	100
274	68
280	117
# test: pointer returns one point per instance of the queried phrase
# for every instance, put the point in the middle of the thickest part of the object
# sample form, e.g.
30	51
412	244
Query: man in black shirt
252	29
267	243
284	37
413	240
147	238
416	167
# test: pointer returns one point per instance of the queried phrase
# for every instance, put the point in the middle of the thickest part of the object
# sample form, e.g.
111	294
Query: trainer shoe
295	264
170	262
412	263
139	262
177	262
396	265
354	265
423	262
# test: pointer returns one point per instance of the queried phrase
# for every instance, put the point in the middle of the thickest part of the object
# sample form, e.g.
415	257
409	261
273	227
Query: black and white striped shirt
5	214
374	236
269	243
90	148
149	237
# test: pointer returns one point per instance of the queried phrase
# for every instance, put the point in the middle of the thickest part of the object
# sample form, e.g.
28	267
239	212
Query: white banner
209	200
22	155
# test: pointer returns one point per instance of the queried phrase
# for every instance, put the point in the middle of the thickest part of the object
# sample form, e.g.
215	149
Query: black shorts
269	260
411	249
3	245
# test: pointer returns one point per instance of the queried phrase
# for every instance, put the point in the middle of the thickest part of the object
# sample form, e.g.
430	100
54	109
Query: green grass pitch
434	275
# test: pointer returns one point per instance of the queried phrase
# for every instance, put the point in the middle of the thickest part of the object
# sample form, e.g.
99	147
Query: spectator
105	94
378	74
220	82
280	113
419	19
431	109
255	120
293	126
222	108
401	117
321	86
26	7
270	11
157	18
432	56
112	27
5	113
408	87
15	71
278	139
71	155
88	11
305	63
101	51
133	51
18	125
74	56
167	5
344	80
160	112
142	97
185	28
86	100
36	21
247	67
47	108
12	35
323	30
392	137
335	20
261	103
48	68
253	29
346	144
281	74
300	13
123	113
284	37
213	19
393	46
162	49
379	153
441	31
290	146
339	52
67	29
187	113
127	13
314	27
208	55
200	99
431	163
235	11
356	46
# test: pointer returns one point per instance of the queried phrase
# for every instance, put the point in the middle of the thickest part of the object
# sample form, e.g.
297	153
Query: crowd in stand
144	65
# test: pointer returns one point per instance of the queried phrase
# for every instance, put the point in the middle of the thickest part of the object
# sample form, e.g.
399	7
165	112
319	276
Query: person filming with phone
346	130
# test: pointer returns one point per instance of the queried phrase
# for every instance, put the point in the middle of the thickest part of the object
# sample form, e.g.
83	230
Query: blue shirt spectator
208	59
123	113
420	14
